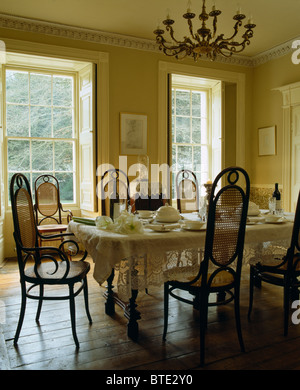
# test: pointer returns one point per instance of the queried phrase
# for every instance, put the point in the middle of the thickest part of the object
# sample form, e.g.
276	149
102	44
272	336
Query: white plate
193	228
252	220
162	227
280	220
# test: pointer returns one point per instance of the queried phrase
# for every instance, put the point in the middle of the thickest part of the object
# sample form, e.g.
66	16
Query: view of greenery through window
40	127
189	133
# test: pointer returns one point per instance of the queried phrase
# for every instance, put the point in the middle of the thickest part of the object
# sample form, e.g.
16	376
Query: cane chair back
41	266
187	191
24	221
220	269
47	200
114	192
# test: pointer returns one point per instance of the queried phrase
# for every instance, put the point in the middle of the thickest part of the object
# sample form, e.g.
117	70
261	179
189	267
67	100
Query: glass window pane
40	121
204	159
182	102
196	104
42	155
183	130
184	157
62	123
196	130
204	131
62	91
40	89
17	120
16	86
66	187
197	158
18	155
63	156
174	158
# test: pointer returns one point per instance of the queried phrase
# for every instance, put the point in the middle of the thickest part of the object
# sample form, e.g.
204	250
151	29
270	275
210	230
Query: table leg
132	315
130	311
109	295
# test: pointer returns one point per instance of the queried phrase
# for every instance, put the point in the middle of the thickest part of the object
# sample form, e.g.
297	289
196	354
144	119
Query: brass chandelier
204	41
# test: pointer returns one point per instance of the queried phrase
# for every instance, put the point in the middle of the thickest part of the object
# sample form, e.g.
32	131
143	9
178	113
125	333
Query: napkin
86	221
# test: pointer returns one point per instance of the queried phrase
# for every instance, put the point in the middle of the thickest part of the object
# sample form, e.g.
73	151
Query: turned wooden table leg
132	315
109	295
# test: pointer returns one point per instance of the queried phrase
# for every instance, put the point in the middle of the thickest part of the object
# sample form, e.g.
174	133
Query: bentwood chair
42	266
114	192
187	191
280	271
220	270
48	208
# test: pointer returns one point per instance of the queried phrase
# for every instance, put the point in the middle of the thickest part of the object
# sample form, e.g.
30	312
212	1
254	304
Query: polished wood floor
104	345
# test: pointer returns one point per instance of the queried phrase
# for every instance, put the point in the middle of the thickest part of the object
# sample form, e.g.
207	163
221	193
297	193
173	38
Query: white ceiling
277	20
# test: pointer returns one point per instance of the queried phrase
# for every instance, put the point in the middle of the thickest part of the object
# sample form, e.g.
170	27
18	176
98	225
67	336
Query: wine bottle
277	196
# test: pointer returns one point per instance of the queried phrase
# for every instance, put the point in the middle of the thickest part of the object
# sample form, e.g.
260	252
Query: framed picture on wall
267	141
133	133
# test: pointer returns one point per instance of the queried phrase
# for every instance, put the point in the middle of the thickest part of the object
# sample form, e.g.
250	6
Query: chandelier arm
194	36
163	45
236	30
214	26
233	49
171	32
175	51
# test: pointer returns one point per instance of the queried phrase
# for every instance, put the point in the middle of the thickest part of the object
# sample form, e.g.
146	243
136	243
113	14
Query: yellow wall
267	111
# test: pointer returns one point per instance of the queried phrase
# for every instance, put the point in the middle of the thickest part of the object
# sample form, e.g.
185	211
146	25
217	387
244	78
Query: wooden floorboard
104	345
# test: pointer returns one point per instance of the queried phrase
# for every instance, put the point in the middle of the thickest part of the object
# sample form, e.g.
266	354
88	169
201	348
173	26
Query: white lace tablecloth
150	259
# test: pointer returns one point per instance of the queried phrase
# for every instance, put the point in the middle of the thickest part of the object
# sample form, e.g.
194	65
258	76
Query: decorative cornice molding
104	38
273	53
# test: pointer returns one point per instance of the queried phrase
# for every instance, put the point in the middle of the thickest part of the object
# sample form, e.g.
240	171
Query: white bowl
145	213
167	214
193	225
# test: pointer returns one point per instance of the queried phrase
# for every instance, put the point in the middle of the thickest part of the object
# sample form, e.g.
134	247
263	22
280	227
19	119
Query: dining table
136	262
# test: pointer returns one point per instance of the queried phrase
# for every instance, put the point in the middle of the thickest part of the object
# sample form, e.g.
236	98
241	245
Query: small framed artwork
267	141
133	133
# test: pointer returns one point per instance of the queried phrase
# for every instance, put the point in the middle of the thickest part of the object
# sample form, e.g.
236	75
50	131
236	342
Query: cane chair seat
52	228
222	279
45	271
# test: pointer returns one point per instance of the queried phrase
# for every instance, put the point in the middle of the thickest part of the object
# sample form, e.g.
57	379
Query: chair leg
286	301
22	313
86	300
72	313
238	319
37	317
203	310
251	286
166	309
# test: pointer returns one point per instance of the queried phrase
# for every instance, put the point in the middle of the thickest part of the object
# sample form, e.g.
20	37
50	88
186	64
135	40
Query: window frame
53	71
206	175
